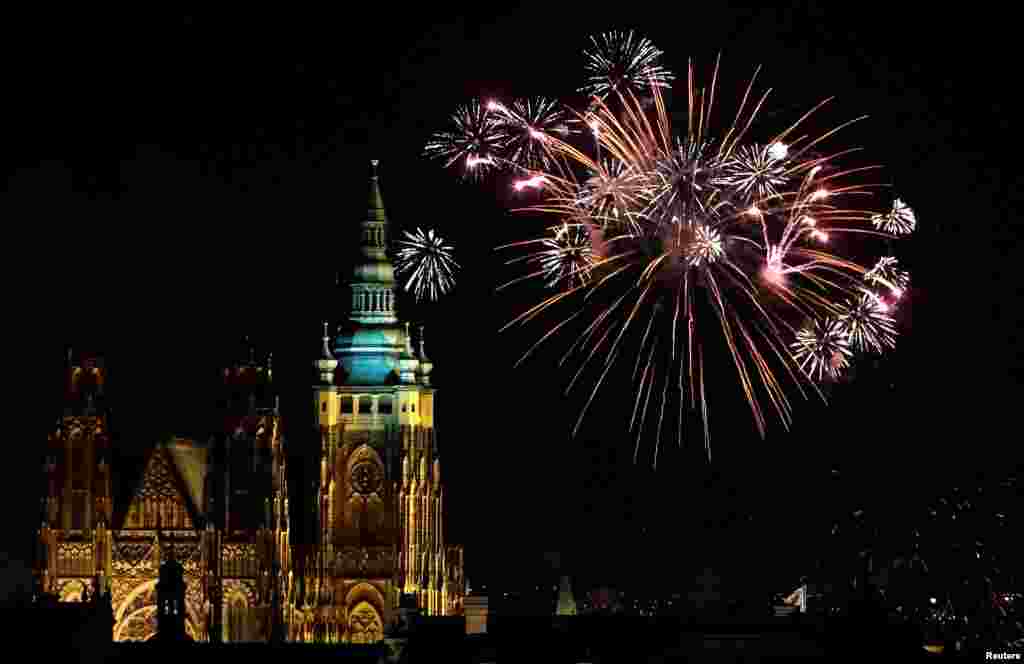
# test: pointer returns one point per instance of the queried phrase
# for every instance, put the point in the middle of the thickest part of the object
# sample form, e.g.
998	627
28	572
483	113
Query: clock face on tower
366	477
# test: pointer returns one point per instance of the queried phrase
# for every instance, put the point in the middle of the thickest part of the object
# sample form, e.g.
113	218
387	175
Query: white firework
822	349
887	274
867	324
898	221
429	263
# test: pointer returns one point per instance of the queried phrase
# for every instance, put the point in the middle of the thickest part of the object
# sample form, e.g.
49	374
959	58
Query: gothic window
387	300
384	406
403	407
366	301
346	405
413	407
323	407
365	405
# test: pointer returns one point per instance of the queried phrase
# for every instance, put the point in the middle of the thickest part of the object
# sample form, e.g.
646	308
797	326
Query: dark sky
175	182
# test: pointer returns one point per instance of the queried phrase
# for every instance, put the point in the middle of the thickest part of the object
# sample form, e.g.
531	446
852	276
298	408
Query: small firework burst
526	128
624	63
428	262
867	324
755	172
898	221
474	140
567	258
610	196
887	273
705	246
822	348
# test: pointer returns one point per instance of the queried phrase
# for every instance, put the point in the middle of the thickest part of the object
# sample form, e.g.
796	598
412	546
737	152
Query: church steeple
373	278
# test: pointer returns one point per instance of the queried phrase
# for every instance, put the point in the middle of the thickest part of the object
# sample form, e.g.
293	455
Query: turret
425	366
326	364
407	363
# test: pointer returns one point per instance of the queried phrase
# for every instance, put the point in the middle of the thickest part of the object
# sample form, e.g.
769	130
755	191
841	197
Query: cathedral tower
76	511
246	497
379	506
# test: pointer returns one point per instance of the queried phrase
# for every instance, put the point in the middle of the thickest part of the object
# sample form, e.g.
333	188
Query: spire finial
325	329
374	163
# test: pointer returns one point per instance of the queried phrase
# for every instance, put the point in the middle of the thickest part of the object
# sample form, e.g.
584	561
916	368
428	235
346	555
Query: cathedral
219	507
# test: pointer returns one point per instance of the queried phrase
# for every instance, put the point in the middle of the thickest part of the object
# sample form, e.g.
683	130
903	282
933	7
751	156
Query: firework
568	257
867	323
524	129
898	221
822	348
701	234
428	262
887	273
623	63
755	171
475	141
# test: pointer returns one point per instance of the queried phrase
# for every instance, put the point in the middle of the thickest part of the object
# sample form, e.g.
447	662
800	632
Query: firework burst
866	322
822	348
705	236
900	220
525	127
621	62
568	257
428	262
755	172
475	142
886	273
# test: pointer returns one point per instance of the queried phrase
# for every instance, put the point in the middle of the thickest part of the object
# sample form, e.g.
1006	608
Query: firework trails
428	263
678	245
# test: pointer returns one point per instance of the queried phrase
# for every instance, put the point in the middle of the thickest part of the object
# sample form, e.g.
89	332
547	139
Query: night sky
173	183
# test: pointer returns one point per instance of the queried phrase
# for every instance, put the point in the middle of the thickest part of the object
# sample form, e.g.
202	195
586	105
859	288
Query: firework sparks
704	234
621	62
428	262
887	273
756	172
475	140
822	349
568	257
866	322
898	221
523	130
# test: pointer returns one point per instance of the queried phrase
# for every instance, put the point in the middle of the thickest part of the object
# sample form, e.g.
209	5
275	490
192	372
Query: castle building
218	509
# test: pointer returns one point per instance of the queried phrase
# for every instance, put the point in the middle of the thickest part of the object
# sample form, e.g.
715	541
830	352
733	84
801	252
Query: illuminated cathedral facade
220	507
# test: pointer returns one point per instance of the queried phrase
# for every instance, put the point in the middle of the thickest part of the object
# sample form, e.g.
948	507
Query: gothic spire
373	277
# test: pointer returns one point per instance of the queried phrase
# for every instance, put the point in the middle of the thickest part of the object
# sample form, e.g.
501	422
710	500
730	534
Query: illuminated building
219	509
380	503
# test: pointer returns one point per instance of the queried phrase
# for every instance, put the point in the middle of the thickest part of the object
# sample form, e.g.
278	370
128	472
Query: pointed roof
160	478
375	211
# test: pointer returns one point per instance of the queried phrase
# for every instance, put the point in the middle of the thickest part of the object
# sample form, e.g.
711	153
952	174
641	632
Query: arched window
366	301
